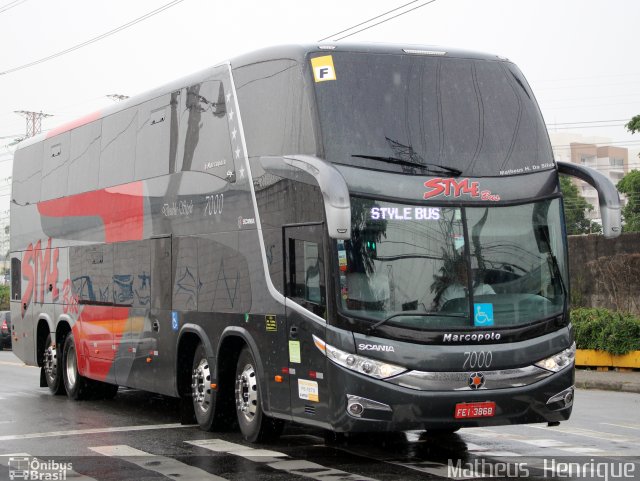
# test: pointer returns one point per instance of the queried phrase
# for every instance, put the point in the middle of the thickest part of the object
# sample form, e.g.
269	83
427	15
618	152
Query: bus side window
154	138
55	167
118	148
27	173
16	278
306	272
84	153
204	129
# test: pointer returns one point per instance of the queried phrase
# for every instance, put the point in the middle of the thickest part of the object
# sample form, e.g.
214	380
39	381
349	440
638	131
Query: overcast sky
580	56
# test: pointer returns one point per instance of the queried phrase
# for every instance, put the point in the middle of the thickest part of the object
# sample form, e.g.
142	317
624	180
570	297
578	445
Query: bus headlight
361	364
559	361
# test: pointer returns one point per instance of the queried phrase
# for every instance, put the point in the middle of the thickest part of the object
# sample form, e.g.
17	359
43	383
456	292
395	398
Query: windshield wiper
427	167
557	272
371	329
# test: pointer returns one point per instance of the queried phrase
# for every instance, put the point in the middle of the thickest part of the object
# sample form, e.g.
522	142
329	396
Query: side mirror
608	196
337	204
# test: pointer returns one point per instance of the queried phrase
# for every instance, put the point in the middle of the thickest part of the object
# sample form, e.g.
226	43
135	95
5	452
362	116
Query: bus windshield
430	267
427	115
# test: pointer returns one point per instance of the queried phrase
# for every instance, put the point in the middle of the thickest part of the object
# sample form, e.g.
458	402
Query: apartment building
611	161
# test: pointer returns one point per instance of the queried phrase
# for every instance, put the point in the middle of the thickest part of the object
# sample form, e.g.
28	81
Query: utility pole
34	121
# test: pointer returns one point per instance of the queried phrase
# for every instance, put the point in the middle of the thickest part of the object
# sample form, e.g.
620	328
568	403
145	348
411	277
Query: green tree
4	298
633	125
630	185
575	208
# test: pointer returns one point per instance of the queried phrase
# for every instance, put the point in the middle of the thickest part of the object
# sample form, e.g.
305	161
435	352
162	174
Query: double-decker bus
353	237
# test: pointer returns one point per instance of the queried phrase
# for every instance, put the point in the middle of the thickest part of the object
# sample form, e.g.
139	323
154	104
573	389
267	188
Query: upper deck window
476	117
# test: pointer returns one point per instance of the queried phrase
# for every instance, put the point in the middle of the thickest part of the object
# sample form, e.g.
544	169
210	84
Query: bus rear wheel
52	365
77	386
255	426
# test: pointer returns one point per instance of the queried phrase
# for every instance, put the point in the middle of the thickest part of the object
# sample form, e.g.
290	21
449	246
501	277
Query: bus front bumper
366	404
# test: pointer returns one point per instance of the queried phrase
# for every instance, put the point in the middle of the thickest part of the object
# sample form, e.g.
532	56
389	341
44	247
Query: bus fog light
356	405
356	409
565	397
568	399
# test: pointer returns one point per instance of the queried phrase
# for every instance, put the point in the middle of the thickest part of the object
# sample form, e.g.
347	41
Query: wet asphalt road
136	436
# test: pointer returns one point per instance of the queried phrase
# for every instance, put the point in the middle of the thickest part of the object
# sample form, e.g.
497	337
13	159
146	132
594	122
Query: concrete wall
605	273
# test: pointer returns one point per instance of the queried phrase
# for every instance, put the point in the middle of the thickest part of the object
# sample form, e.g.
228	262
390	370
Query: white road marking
501	454
544	443
581	450
442	470
79	432
9	363
279	461
220	446
541	443
630	426
615	438
169	467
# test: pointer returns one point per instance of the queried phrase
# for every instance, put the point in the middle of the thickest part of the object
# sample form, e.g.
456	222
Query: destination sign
405	213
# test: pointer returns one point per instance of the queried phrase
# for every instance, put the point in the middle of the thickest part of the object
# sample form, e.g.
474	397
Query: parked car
5	329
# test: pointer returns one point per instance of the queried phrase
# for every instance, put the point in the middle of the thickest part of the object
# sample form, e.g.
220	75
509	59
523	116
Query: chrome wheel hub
247	392
51	362
201	385
71	367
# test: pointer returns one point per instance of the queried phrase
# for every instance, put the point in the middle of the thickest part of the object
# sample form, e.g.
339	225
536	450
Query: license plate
475	410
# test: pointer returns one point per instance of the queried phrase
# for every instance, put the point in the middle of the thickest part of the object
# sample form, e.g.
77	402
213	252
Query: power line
11	5
385	20
366	21
587	126
95	39
589	122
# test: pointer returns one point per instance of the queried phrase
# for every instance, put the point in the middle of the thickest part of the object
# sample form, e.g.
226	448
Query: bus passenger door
306	287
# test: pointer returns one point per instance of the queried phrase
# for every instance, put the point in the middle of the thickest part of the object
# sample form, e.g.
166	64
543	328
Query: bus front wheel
254	424
202	393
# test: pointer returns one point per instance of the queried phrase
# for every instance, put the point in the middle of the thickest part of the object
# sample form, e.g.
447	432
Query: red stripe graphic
120	208
74	124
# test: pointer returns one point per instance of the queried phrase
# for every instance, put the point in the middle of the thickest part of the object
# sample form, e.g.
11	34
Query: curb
619	386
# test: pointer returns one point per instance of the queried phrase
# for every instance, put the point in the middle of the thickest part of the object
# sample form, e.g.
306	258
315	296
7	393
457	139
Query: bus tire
255	426
203	395
52	366
77	386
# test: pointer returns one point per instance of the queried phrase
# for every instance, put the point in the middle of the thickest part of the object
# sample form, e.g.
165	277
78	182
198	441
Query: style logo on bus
454	188
40	270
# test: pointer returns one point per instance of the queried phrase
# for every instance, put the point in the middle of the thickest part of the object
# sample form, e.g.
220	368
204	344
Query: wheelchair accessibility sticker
175	325
483	315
